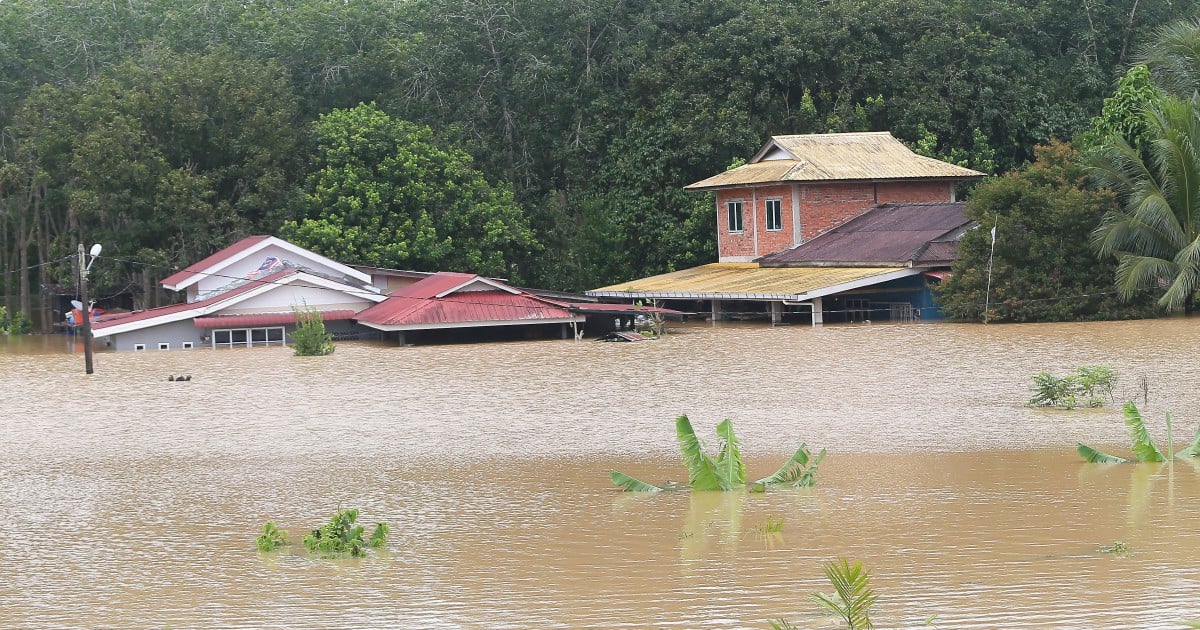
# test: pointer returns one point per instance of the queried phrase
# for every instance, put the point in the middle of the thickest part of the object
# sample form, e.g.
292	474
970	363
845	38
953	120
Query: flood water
127	501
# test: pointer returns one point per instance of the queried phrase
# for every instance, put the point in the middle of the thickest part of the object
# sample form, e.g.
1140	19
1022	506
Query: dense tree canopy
173	128
1044	267
384	193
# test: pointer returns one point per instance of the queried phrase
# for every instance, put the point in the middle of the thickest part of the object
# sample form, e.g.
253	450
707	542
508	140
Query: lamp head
96	249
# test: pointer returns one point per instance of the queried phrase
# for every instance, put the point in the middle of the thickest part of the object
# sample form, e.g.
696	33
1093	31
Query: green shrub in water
341	535
310	339
272	537
1088	385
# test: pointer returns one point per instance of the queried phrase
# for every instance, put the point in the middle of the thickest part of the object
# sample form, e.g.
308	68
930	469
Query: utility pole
86	311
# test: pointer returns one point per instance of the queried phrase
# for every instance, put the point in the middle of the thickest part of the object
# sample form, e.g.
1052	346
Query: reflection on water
131	501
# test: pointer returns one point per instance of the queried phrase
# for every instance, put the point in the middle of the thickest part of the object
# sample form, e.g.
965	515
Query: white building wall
240	269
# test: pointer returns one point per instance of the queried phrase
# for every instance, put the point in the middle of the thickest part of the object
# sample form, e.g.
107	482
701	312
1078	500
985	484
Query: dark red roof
885	234
135	316
418	304
265	319
224	254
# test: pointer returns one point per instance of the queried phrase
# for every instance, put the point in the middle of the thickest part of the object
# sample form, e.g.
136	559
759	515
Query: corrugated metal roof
265	319
455	299
747	281
833	157
229	252
895	234
199	306
479	307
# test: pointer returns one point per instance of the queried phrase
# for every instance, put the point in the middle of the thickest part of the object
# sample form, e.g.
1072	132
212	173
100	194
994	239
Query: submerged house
824	227
244	295
460	306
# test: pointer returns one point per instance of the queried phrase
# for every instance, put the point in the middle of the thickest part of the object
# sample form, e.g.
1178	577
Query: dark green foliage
310	339
272	537
1044	268
386	193
341	535
167	130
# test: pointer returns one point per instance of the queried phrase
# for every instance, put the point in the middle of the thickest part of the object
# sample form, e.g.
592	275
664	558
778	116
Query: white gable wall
239	269
298	293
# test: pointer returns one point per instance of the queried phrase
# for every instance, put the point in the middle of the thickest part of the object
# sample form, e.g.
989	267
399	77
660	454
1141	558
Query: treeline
167	129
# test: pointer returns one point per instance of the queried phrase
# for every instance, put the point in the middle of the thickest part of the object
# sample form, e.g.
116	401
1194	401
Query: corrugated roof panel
745	280
887	234
162	311
227	253
831	157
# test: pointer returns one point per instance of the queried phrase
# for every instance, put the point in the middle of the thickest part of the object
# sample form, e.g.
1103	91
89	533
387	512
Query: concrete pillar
716	311
776	310
818	315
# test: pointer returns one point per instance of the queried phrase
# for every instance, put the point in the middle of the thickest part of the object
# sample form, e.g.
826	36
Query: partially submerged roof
750	281
835	157
251	288
889	234
217	264
459	300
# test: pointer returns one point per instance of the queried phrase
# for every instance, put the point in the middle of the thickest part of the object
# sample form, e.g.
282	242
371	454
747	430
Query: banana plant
726	471
1143	448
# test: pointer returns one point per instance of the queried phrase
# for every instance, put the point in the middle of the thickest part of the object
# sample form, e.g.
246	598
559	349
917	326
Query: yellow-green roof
749	281
835	157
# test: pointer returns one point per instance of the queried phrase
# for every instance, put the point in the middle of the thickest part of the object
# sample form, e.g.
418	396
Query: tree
384	193
1154	233
1043	267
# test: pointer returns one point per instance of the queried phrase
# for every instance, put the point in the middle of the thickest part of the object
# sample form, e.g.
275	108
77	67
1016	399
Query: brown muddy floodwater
132	502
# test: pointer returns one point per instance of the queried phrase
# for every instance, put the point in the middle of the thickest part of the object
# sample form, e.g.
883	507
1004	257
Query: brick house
797	187
826	227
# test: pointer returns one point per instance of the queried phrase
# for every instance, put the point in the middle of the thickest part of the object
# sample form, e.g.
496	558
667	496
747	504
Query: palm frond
1145	450
629	484
854	593
1094	456
729	461
702	469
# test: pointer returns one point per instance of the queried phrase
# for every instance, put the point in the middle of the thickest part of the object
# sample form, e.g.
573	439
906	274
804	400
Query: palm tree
1173	57
1155	231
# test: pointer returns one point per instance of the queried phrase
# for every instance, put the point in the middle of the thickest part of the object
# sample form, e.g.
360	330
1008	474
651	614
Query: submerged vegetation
726	471
853	595
852	598
272	537
310	339
1143	448
1087	385
339	536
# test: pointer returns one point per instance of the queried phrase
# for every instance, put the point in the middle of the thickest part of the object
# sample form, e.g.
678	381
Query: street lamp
86	306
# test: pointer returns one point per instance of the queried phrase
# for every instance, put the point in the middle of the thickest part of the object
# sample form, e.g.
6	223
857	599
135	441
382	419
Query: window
774	215
735	215
162	345
139	347
186	345
239	337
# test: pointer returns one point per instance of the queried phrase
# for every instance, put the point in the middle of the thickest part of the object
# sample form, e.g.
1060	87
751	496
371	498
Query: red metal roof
152	313
419	304
224	254
264	319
